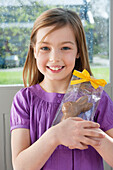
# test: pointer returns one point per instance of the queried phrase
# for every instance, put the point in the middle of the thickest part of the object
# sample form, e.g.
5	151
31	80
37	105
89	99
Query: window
17	18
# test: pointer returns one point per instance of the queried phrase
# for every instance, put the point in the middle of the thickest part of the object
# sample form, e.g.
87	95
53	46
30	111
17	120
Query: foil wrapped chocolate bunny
81	98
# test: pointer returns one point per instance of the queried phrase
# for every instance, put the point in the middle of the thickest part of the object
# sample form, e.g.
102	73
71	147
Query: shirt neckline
47	96
49	92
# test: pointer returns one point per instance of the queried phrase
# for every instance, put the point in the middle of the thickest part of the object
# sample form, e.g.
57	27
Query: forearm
35	156
105	149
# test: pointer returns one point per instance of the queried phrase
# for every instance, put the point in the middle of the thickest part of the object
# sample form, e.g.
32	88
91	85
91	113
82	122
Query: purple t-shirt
35	109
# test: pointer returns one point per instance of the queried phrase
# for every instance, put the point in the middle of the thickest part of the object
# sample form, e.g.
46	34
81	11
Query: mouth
55	68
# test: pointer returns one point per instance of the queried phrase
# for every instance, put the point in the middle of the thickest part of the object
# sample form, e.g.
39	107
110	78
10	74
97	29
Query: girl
57	46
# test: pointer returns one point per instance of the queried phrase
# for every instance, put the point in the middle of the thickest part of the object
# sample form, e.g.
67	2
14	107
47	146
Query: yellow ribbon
85	77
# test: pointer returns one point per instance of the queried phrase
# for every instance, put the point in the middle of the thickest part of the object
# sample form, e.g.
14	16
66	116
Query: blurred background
16	22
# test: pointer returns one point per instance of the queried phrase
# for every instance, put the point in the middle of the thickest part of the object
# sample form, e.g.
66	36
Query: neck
52	86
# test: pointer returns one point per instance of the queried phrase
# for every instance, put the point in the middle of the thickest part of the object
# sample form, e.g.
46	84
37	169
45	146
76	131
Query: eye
66	48
45	48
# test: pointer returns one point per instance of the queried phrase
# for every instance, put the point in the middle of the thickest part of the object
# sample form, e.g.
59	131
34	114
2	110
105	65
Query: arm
70	132
26	157
105	149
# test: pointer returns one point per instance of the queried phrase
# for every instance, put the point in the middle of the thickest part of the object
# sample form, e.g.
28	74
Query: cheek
41	62
70	60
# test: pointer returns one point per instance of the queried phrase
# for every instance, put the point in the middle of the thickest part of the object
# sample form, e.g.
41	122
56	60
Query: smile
55	68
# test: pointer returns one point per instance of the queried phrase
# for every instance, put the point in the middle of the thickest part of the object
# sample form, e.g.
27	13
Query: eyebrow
65	42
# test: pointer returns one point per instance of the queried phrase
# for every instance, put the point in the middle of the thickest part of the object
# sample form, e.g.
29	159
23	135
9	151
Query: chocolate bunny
73	109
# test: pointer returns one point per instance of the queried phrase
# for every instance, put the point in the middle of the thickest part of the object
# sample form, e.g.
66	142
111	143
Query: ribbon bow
85	77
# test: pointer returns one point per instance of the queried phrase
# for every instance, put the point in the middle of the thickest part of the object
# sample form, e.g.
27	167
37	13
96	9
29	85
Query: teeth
55	68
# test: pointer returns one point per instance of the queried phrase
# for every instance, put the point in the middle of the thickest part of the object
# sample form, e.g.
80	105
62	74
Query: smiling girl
57	47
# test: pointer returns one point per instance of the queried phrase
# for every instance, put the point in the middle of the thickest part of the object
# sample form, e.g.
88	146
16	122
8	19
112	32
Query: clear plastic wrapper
80	100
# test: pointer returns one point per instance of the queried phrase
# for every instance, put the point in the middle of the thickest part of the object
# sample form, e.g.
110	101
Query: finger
94	138
85	146
77	118
89	124
90	141
93	133
80	146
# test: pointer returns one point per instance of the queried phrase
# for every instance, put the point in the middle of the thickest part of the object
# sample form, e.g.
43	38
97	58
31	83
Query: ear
35	52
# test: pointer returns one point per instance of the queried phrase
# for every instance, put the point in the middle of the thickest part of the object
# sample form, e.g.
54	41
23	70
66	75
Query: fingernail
98	124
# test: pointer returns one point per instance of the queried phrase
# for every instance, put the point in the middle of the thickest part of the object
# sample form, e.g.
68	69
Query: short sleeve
19	117
104	113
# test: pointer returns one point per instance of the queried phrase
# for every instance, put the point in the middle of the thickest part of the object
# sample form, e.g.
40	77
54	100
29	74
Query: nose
54	56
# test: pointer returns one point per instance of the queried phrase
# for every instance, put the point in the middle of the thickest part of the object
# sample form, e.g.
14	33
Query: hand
98	139
74	132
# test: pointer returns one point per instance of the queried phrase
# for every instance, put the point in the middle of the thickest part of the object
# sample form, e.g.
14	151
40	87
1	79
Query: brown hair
58	17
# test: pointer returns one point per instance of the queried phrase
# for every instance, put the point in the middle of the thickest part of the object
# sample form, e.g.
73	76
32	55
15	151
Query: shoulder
22	103
27	93
105	102
104	112
105	99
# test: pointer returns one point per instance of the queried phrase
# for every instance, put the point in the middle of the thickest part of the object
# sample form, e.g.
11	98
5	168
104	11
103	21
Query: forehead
65	33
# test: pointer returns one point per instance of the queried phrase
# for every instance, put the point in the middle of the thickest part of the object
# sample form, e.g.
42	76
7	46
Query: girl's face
56	55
